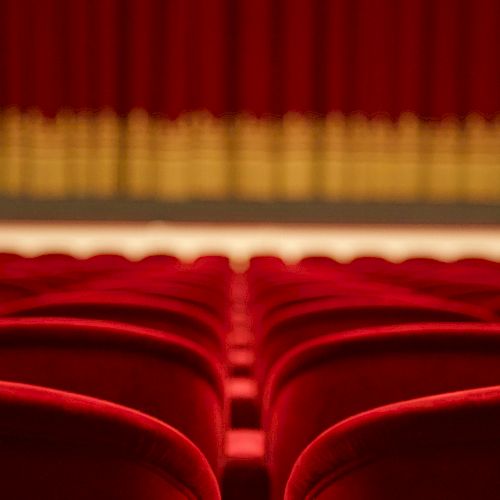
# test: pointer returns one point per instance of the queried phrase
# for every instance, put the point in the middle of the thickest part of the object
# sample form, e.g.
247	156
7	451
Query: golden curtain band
299	157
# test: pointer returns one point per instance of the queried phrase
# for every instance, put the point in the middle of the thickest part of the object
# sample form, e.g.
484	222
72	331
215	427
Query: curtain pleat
482	69
257	57
77	37
104	61
255	65
297	67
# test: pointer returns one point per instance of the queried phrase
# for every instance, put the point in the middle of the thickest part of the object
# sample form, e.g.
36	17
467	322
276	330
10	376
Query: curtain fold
258	57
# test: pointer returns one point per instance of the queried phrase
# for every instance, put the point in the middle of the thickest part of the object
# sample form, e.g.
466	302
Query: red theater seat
473	290
214	288
158	261
263	263
319	262
444	279
106	263
44	272
494	306
172	316
12	289
296	293
371	264
334	377
59	445
156	373
215	263
162	288
479	262
434	448
8	257
301	322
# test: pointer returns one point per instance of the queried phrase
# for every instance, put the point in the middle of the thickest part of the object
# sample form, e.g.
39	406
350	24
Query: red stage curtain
374	56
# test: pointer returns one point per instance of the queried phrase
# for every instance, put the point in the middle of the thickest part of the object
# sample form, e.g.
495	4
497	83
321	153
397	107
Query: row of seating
470	280
355	364
165	379
113	376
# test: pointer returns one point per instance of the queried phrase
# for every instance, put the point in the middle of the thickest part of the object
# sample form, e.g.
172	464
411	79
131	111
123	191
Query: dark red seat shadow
493	304
445	446
326	380
473	290
59	445
157	373
310	291
164	288
298	323
172	316
12	289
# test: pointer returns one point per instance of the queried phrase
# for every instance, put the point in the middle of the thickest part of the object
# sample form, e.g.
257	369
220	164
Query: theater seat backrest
189	293
173	316
59	445
161	375
299	323
309	292
330	379
446	446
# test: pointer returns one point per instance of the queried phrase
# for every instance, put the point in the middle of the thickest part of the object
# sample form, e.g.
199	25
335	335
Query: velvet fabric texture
445	446
284	294
298	323
260	59
59	445
163	288
168	315
334	377
159	374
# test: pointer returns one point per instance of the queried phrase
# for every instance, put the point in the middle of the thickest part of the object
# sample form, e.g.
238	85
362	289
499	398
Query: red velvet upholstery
298	323
471	289
292	294
434	448
213	284
59	445
35	273
174	339
445	278
13	289
154	372
107	263
479	262
318	261
494	306
162	288
8	257
371	265
331	378
158	261
172	316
